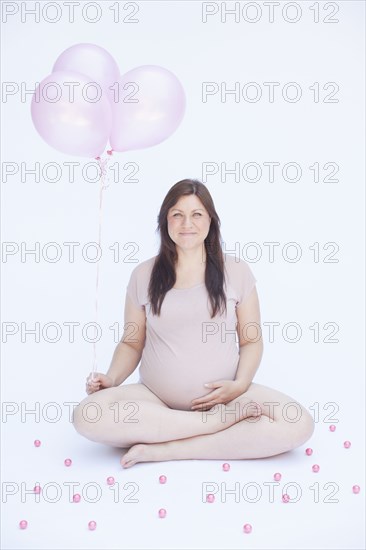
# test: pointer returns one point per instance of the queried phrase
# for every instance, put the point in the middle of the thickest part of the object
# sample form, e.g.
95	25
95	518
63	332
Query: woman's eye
196	214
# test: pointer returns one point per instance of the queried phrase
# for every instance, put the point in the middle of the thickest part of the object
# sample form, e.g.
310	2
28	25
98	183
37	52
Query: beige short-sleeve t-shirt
184	347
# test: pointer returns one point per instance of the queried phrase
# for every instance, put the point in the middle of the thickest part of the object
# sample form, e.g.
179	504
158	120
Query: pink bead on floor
37	443
309	451
92	525
316	468
210	498
110	480
37	489
247	528
23	524
356	489
68	462
332	428
162	479
277	476
76	498
226	467
285	498
347	444
162	513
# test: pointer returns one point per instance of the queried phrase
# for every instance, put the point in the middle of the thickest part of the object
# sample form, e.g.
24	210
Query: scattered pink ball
285	498
226	467
277	476
309	451
356	489
37	443
347	444
68	462
92	525
332	428
247	528
162	513
316	468
210	498
76	497
110	480
23	524
37	489
162	479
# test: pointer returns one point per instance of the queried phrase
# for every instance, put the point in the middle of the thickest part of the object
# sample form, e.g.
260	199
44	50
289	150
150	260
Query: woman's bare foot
143	452
219	418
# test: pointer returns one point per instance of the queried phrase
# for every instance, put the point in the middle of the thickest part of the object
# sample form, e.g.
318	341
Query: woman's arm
250	340
124	361
250	358
251	350
128	351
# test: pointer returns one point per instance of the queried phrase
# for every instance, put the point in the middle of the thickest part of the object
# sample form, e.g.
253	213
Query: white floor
325	512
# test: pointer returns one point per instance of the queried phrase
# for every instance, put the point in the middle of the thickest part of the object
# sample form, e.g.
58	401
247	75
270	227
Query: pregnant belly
178	384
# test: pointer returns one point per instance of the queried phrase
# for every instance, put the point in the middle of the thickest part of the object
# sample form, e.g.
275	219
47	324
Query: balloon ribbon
103	173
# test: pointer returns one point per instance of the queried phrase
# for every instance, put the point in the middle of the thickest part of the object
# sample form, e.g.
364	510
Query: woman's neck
191	262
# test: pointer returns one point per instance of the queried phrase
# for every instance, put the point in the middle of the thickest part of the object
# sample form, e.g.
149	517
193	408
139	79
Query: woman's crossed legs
259	423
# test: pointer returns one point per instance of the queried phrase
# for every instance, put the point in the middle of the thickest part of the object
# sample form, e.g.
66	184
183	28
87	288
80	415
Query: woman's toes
128	463
137	453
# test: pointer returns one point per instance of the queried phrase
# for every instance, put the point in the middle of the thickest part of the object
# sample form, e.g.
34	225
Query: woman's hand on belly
223	392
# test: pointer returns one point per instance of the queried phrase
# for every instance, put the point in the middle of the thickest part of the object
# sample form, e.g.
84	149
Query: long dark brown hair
163	275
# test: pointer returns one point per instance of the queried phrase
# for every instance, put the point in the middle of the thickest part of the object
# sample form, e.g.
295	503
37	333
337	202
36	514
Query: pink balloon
69	116
92	61
148	108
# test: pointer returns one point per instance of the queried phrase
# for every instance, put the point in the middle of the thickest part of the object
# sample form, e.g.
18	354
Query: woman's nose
186	222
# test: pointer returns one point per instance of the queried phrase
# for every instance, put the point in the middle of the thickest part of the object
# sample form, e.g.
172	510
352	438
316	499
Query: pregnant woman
192	319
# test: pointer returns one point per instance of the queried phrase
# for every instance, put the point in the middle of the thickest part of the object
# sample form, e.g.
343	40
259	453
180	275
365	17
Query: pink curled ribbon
103	173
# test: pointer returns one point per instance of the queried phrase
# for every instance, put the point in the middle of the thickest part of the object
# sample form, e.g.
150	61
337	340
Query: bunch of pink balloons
86	101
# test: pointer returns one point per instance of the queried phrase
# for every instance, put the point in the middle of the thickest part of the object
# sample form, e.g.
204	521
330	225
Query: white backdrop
310	213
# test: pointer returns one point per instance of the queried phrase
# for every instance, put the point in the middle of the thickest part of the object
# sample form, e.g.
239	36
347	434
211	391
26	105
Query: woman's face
188	222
